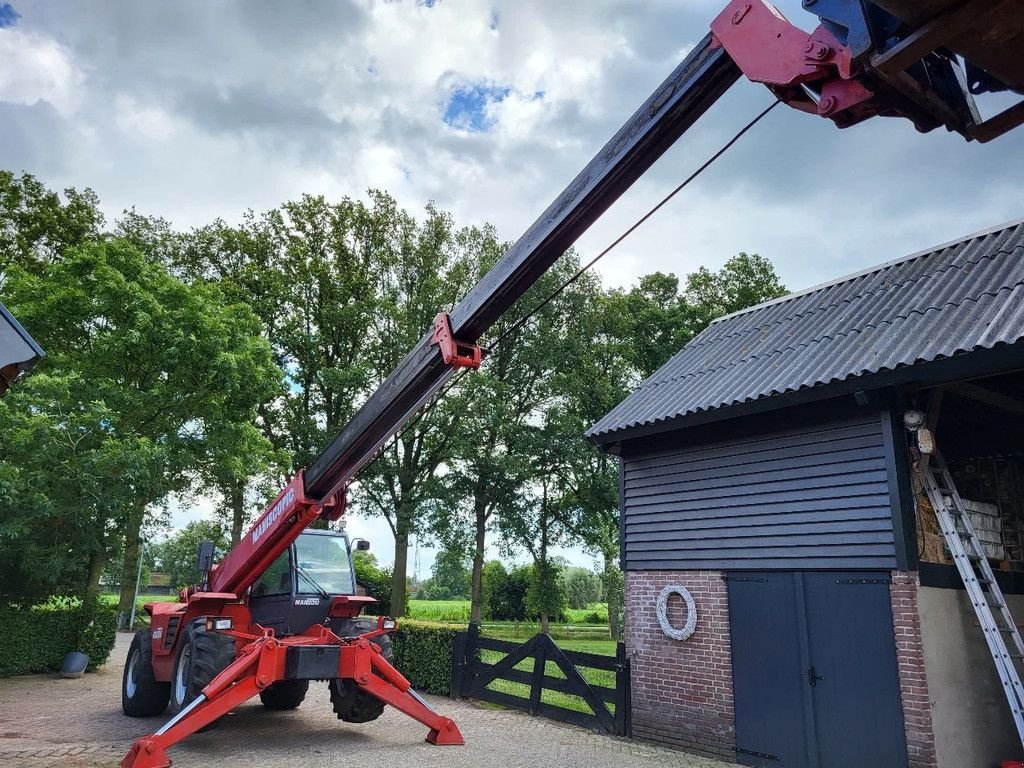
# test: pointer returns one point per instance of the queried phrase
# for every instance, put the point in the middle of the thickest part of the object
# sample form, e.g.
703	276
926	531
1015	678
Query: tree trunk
477	588
237	501
399	574
130	569
97	562
545	623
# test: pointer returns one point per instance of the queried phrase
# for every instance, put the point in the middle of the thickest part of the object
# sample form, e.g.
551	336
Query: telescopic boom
863	60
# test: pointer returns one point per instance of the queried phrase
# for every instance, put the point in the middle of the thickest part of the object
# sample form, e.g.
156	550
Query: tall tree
37	224
161	358
487	472
428	269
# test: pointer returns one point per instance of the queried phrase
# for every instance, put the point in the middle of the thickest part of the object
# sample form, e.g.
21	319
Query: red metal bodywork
769	49
455	353
271	535
261	663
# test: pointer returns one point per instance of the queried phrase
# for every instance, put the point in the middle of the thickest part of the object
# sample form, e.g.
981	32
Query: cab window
325	560
276	580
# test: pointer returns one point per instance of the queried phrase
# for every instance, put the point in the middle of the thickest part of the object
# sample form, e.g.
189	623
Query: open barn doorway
978	427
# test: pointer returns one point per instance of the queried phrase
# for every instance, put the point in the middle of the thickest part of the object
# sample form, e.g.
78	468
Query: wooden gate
537	676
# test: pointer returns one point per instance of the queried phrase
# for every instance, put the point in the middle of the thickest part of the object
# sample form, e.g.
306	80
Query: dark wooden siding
817	496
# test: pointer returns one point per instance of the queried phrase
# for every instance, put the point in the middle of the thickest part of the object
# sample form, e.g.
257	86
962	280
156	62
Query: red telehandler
278	611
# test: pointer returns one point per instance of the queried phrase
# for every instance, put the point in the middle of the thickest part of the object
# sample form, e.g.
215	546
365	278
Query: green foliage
615	597
580	586
596	613
376	580
178	555
505	592
545	596
450	580
423	653
36	639
141	369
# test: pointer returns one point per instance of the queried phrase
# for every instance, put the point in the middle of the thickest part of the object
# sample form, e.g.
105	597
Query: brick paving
48	722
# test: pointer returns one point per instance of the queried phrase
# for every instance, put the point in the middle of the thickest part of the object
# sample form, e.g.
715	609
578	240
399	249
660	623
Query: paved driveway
47	721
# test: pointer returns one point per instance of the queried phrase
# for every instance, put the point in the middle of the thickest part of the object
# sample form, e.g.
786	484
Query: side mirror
204	563
362	545
205	560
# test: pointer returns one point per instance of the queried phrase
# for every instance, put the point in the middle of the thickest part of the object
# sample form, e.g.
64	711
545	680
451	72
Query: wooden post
458	665
539	661
623	699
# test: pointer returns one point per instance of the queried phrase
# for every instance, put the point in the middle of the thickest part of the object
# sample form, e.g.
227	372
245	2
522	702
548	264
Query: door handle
813	677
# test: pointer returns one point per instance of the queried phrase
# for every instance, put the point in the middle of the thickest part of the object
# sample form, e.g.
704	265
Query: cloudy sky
195	110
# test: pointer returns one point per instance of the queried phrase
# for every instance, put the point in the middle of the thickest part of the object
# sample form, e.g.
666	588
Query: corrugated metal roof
934	304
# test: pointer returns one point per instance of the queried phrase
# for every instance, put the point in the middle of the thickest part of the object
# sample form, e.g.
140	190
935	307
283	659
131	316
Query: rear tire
142	695
284	694
201	657
350	702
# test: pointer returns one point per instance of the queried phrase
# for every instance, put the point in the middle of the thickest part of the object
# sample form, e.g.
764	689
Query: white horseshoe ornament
691	612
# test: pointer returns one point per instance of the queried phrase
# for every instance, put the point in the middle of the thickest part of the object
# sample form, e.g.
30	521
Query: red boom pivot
810	72
263	661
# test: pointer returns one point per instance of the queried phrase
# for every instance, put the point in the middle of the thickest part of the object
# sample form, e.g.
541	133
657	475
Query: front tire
142	695
350	702
284	694
201	657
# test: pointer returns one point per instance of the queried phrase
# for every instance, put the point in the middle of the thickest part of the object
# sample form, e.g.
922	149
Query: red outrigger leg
261	663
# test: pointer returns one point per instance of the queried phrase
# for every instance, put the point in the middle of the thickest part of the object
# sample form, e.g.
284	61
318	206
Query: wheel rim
182	674
131	681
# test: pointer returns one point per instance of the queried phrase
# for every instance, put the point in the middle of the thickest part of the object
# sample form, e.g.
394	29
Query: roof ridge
696	342
649	384
872	270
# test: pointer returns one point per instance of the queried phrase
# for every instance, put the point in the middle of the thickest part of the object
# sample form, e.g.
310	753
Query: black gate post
458	665
539	661
623	696
464	651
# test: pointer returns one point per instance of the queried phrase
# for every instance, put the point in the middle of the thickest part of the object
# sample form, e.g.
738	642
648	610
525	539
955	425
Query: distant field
111	599
446	611
457	611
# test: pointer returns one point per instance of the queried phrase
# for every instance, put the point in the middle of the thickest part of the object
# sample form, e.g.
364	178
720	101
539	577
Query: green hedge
36	639
423	653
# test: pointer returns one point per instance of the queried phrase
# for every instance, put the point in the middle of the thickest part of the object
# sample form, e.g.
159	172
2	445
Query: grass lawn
446	611
597	678
111	598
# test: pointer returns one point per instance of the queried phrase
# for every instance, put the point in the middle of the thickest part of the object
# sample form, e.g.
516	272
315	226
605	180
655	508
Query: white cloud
38	68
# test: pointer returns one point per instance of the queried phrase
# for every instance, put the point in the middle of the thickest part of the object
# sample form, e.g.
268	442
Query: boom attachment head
885	58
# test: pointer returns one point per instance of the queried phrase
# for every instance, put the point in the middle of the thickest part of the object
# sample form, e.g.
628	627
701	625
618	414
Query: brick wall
917	712
682	690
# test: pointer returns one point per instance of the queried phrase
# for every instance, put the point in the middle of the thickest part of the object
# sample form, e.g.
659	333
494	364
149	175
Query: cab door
270	599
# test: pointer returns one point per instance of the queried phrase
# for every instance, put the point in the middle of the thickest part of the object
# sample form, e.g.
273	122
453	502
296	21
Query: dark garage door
814	670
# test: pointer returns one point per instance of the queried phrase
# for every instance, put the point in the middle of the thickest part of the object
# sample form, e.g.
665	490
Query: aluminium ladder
987	599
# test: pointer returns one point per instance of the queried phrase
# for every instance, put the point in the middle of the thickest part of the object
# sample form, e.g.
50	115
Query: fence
585	689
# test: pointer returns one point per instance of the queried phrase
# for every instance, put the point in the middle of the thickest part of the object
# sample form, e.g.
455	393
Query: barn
768	475
18	351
